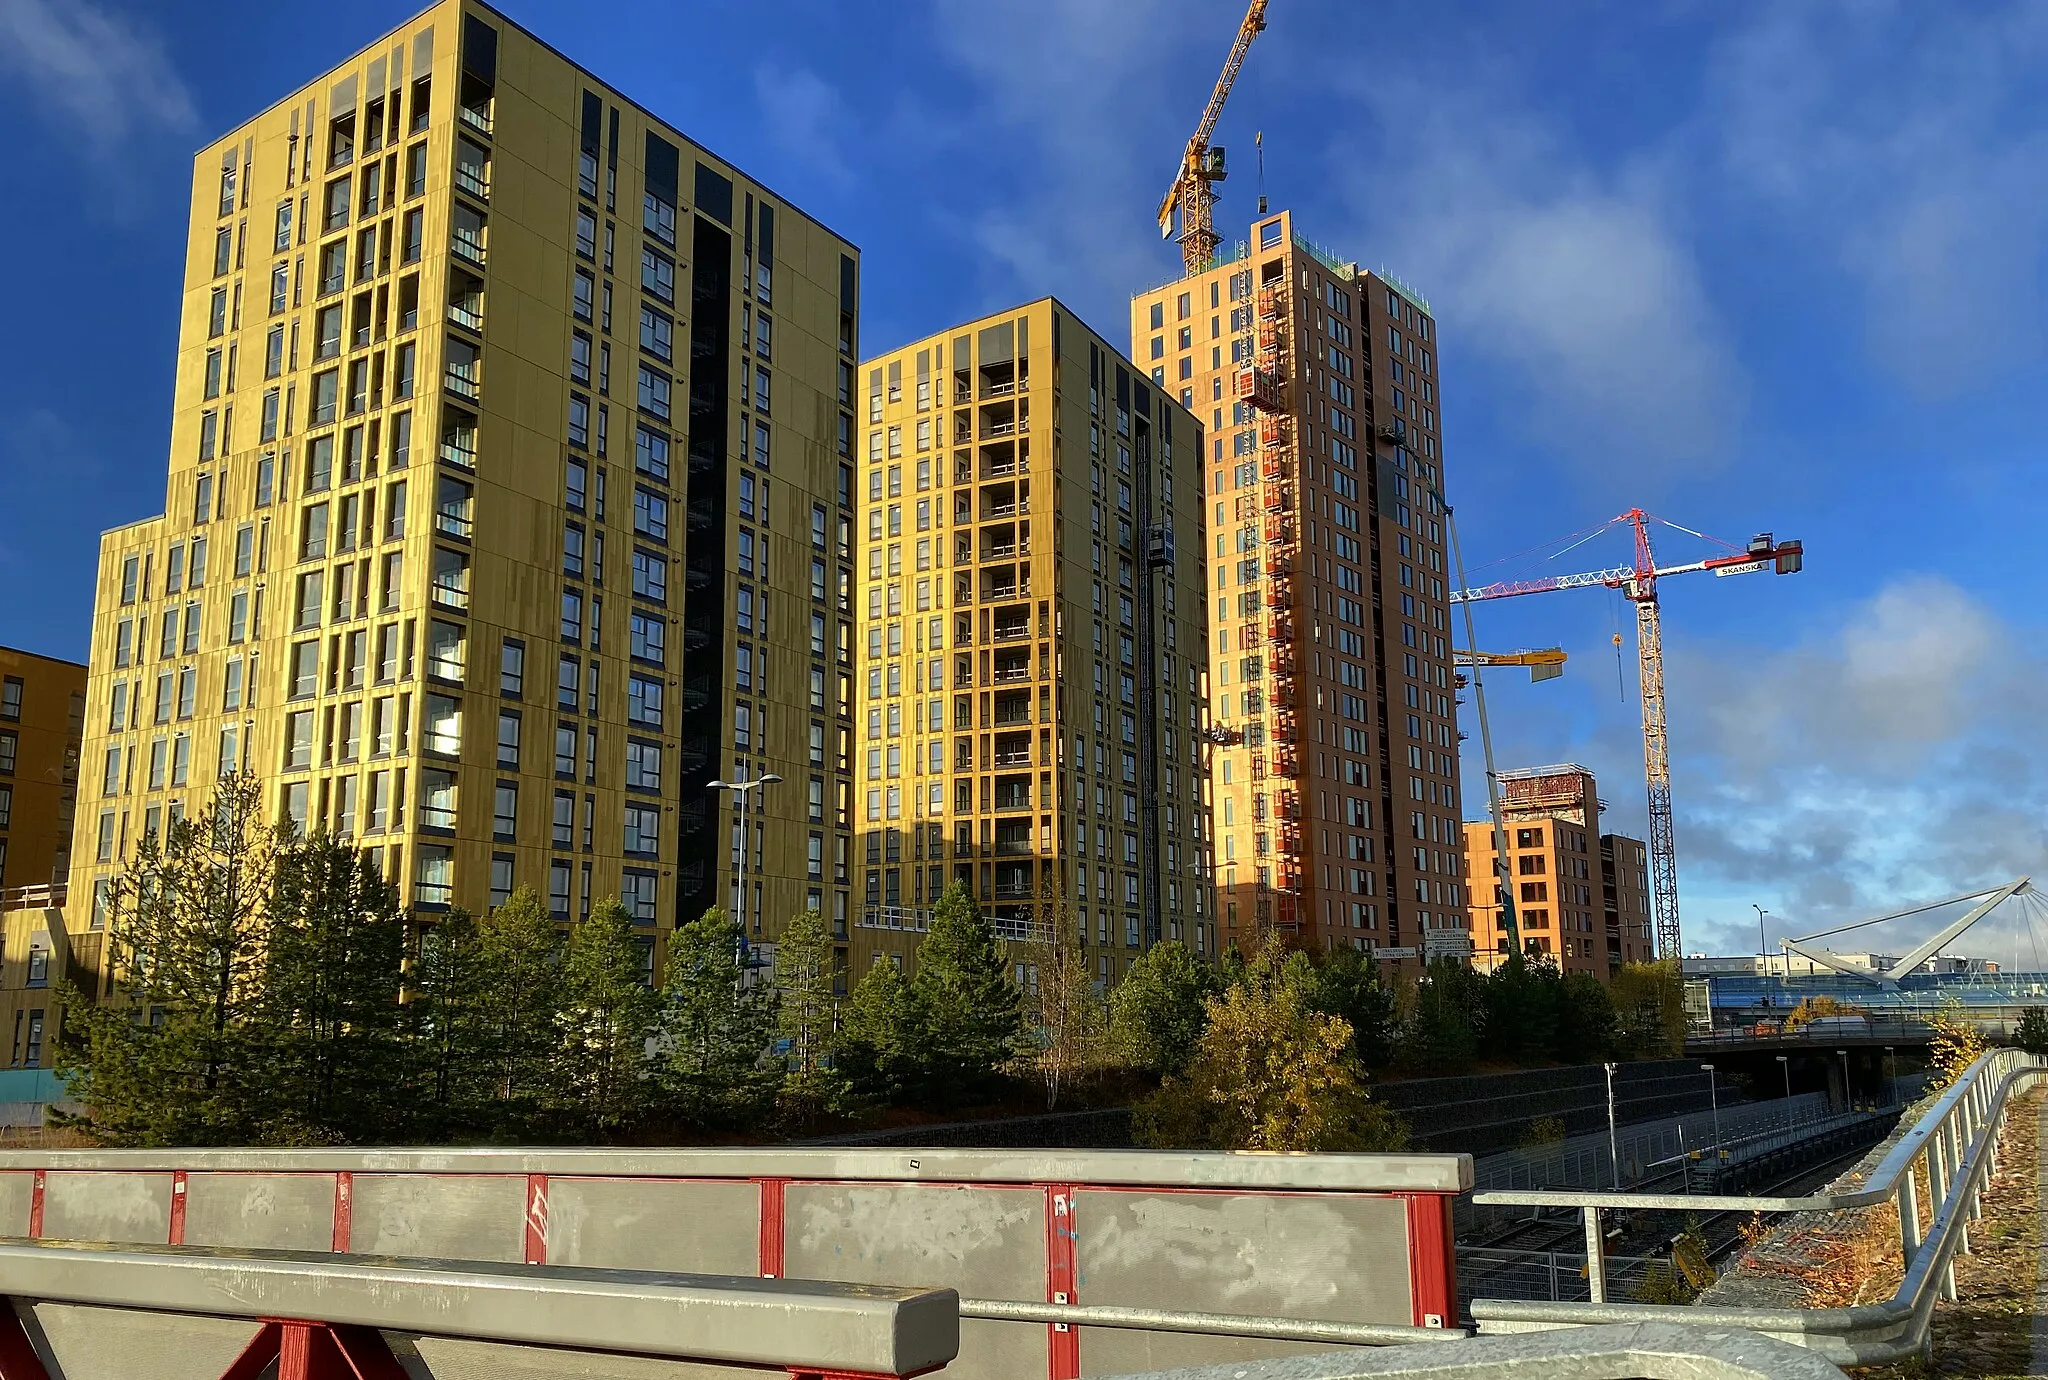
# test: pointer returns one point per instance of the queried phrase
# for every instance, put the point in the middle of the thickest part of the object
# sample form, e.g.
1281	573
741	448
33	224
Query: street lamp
1763	943
1785	1064
1848	1102
1613	1149
740	790
1714	1096
1891	1077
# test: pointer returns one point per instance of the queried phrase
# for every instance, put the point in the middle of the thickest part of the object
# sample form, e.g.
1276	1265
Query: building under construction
1335	770
1580	896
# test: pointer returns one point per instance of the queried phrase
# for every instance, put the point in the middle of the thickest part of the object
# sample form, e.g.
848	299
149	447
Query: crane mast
1638	584
1642	590
1193	192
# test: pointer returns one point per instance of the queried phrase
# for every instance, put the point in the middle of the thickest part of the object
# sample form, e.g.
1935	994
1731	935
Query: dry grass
1988	1333
45	1138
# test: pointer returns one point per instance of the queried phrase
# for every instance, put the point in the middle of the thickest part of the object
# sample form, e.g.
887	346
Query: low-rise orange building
1580	896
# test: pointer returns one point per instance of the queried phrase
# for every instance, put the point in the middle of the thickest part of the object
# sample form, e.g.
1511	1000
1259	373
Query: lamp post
1785	1065
1714	1096
1891	1076
1613	1146
740	790
1763	943
1847	1101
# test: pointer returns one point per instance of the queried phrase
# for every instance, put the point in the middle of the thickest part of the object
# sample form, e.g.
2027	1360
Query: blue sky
1747	265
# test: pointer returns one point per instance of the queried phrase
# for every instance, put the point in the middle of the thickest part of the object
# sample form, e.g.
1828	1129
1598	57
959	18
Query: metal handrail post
1909	1218
1596	1265
1957	1148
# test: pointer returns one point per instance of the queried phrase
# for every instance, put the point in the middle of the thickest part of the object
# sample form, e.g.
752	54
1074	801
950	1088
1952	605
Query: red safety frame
1432	1260
321	1352
1062	1280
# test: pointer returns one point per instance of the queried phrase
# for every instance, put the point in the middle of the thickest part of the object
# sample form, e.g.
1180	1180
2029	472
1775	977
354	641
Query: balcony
904	919
468	313
1019	925
460	450
476	115
463	380
472	180
468	248
1012	629
1013	795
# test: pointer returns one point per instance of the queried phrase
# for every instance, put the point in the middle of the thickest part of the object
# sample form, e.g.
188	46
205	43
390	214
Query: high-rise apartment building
1580	896
1336	785
42	721
1035	656
510	498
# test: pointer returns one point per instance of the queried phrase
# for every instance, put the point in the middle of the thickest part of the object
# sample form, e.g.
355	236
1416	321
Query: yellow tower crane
1544	663
1201	167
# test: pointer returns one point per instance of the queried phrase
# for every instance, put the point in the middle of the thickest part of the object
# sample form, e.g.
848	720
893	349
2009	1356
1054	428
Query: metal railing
1902	1029
911	919
47	896
1957	1137
797	1326
1637	1351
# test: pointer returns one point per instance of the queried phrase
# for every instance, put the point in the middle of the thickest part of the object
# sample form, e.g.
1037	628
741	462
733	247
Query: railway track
1555	1241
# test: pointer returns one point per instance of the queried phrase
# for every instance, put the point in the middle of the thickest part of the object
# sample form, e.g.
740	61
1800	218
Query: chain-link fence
1555	1276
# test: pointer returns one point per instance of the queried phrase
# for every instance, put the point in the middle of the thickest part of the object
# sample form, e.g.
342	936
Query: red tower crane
1638	583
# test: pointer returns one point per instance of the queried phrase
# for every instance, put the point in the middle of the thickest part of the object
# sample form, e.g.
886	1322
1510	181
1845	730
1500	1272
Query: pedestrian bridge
1063	1264
824	1264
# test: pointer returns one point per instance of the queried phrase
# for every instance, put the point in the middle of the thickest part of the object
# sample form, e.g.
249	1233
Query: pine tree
522	958
1518	1009
1156	1012
806	1015
2032	1034
878	1046
971	1011
1585	1028
330	1001
448	1023
1440	1036
1348	985
717	1026
609	1014
186	947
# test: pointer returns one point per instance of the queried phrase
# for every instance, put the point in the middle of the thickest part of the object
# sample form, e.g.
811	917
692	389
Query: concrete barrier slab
94	1206
659	1224
442	1216
281	1212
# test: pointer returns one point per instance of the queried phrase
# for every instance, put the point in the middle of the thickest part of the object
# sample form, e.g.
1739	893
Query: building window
434	882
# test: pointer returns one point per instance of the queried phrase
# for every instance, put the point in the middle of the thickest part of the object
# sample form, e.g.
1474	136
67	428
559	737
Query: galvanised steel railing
1957	1137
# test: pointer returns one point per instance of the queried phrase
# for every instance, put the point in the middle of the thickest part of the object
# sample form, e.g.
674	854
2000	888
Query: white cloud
1072	103
1898	756
1572	279
105	79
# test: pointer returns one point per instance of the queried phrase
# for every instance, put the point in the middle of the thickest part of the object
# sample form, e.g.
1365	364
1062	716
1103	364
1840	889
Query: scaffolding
1275	767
